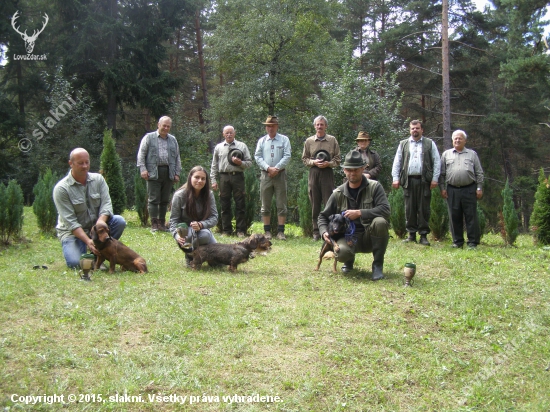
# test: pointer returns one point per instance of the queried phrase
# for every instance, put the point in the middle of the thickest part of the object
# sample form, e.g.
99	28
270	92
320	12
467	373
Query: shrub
43	205
439	216
304	207
397	214
112	172
482	221
140	198
510	220
251	196
11	212
540	219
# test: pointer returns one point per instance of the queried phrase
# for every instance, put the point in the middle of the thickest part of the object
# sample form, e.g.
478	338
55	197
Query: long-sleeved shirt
415	162
314	144
80	205
220	161
274	152
460	169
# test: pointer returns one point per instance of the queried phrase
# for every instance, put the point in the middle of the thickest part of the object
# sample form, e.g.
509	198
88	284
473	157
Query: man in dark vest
416	167
364	202
160	165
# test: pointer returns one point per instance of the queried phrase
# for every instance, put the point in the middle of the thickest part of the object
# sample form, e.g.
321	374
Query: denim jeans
74	247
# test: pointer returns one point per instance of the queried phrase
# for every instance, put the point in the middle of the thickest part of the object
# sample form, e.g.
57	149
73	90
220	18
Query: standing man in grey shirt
461	183
416	167
272	156
160	165
82	199
231	158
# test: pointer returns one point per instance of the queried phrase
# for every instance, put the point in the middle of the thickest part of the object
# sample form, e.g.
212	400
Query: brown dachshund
114	251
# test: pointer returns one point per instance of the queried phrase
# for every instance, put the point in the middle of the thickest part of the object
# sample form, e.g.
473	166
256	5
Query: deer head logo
29	40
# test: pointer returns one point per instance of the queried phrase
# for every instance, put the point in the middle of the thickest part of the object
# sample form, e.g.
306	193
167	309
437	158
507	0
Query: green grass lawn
472	334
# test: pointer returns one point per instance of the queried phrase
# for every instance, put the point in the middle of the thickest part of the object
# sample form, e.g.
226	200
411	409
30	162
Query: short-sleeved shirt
80	205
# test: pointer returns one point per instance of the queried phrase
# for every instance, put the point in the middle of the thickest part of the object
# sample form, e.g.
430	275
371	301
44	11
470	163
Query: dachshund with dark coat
232	255
337	227
115	251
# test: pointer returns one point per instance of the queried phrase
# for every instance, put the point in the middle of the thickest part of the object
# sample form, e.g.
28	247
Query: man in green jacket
364	202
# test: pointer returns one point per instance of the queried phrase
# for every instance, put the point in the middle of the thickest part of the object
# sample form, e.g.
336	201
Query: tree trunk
447	142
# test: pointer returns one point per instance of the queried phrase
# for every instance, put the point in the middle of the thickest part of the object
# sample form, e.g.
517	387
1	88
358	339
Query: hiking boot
316	237
281	236
240	234
268	235
154	224
162	226
411	238
424	240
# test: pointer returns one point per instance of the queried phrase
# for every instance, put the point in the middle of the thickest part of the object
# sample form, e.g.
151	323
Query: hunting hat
353	160
322	155
236	153
363	136
271	120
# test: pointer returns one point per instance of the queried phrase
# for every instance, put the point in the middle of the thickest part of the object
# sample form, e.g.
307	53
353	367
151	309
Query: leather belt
415	177
230	173
460	187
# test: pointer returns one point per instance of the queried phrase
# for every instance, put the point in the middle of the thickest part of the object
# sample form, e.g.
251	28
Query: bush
140	198
112	172
304	207
439	216
397	215
251	196
482	221
540	219
11	211
510	220
43	205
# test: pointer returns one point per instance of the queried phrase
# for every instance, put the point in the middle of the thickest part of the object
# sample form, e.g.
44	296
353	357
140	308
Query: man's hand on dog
352	214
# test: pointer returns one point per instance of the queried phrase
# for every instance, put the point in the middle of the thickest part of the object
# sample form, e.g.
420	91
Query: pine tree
251	196
112	172
43	205
304	207
397	214
509	216
3	212
141	199
439	216
540	219
12	215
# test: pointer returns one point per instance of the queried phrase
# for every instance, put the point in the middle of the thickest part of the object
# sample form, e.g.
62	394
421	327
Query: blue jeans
74	247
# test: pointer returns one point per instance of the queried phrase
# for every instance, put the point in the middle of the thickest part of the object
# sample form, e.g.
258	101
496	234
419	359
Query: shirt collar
320	139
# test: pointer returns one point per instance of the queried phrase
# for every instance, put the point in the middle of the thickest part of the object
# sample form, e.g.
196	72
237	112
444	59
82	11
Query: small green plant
111	170
141	199
482	221
304	207
540	219
251	196
510	218
11	211
439	216
43	205
397	215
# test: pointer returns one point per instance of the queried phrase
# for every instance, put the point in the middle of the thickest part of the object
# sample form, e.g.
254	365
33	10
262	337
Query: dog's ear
331	217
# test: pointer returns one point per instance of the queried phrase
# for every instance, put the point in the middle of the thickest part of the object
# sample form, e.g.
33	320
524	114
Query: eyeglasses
367	140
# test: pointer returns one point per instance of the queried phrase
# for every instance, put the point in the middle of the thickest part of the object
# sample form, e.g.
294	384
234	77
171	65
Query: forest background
365	64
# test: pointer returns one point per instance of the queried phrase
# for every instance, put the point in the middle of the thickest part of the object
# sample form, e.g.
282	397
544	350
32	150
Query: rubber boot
379	246
348	266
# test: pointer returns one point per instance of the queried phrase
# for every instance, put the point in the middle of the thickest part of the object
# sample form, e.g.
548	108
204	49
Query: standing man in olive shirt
461	183
321	154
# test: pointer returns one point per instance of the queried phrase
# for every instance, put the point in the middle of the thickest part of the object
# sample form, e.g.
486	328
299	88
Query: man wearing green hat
364	203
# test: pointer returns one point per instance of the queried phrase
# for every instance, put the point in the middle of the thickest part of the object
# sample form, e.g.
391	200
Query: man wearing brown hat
321	154
231	158
272	155
364	202
373	166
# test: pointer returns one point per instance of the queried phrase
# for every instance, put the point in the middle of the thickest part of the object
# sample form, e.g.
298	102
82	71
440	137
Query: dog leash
350	232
